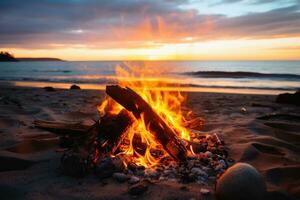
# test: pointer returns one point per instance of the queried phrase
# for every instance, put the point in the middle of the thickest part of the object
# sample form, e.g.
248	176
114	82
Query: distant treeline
8	57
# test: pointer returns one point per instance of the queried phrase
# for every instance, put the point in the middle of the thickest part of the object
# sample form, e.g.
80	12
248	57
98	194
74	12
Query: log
108	132
62	128
112	130
72	135
164	134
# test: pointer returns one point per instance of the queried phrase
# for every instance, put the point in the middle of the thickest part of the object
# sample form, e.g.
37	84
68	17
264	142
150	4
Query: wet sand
256	130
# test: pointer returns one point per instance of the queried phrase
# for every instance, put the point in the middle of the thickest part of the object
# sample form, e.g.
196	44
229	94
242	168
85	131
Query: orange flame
166	104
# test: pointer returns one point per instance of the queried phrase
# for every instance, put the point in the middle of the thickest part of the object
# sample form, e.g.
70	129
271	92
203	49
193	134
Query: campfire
143	131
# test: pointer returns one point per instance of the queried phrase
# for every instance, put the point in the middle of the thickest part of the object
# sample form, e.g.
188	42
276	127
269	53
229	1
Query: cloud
258	1
274	23
130	23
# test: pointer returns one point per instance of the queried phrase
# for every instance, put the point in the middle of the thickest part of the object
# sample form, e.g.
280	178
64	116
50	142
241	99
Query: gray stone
168	171
120	177
106	167
151	173
140	172
134	180
199	172
240	182
218	167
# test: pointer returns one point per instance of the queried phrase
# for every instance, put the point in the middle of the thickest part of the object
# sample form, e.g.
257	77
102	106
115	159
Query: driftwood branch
109	131
62	128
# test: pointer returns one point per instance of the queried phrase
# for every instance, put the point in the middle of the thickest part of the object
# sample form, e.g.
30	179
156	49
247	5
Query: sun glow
242	49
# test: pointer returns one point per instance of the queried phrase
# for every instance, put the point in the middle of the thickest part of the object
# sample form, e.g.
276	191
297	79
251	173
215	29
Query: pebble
218	167
107	167
140	173
167	171
120	177
243	110
199	172
129	172
134	180
204	191
151	173
222	162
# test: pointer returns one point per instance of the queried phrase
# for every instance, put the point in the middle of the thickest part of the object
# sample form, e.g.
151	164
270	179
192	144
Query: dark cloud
258	1
130	23
283	21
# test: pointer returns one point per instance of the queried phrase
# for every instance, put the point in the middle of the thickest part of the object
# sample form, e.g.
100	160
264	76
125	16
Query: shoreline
89	86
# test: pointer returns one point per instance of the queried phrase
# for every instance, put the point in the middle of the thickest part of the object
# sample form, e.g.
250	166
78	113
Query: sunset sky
151	29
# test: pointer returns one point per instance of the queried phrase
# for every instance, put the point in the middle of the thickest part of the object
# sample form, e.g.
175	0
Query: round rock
134	180
240	182
120	177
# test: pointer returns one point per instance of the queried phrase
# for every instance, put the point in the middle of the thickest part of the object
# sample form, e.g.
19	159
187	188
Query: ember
142	133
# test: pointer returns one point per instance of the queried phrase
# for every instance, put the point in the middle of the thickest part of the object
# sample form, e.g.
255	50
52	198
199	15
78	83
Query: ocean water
265	77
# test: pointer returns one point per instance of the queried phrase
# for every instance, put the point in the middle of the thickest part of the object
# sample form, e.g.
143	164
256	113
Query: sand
30	157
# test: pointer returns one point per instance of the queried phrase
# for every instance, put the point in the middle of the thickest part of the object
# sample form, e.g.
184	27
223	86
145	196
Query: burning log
112	130
140	108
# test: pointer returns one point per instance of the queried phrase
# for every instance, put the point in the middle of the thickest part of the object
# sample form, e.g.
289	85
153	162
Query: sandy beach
255	129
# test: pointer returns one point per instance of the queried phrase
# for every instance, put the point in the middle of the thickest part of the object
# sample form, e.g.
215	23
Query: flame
166	104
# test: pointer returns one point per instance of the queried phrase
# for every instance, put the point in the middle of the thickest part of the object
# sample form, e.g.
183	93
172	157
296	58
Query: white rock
243	110
134	180
218	167
204	191
222	162
167	171
241	182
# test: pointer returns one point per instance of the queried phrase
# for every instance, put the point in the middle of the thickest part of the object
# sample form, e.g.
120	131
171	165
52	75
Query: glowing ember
140	146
